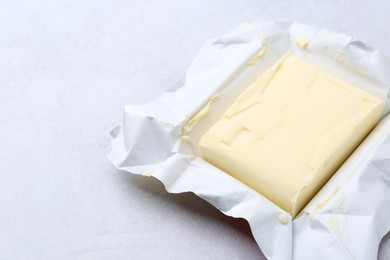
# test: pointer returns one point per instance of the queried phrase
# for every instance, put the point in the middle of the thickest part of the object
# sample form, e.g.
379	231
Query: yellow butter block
288	133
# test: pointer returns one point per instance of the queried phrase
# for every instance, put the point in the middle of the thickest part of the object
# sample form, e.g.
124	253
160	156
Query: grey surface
66	70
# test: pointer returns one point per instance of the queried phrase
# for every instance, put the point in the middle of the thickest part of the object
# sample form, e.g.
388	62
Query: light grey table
67	68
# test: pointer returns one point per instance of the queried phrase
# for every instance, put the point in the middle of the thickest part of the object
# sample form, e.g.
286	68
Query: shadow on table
189	202
384	248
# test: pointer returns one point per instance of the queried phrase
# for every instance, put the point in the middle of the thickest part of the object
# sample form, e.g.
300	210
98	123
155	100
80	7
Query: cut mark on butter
283	218
324	202
301	42
202	112
257	56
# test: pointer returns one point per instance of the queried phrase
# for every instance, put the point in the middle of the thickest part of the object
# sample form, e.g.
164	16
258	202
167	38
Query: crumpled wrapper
345	220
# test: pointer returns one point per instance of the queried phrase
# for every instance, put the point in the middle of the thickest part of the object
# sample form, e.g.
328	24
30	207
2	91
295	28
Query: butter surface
288	133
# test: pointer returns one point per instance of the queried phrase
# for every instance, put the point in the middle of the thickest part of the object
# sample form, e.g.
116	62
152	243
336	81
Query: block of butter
289	132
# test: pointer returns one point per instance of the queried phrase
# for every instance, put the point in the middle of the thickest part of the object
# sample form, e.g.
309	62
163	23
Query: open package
282	124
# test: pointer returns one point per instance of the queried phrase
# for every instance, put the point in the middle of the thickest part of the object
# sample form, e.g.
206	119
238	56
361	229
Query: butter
257	56
283	219
288	133
324	202
302	43
147	173
202	112
334	225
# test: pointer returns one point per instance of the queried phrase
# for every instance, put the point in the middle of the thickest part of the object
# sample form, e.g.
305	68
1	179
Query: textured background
66	70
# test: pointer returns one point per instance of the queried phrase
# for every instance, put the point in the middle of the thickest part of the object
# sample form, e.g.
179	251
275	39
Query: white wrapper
345	220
